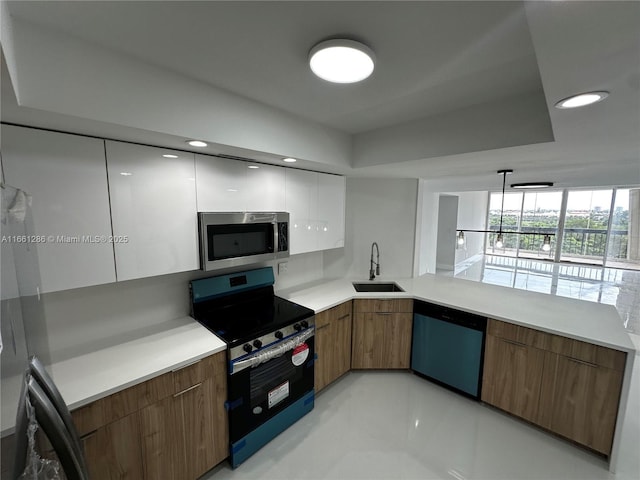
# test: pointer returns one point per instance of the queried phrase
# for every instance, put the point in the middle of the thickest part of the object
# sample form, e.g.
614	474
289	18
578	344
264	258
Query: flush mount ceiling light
341	61
289	160
169	155
524	186
582	99
253	167
196	143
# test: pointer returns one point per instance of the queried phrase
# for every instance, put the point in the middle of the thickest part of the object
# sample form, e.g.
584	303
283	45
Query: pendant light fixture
499	242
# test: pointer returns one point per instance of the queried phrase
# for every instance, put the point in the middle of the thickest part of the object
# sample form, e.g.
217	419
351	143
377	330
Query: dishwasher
448	347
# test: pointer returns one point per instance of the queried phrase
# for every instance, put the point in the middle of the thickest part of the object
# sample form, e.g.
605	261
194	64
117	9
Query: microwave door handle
276	238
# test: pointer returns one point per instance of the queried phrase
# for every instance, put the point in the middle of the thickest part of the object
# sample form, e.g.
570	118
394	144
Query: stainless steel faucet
373	272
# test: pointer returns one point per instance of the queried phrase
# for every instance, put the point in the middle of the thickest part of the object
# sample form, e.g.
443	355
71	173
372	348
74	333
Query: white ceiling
434	59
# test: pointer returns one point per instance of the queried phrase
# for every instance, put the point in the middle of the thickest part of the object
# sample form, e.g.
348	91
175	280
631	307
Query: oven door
265	383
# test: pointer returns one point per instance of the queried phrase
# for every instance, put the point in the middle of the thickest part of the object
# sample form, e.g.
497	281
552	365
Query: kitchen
380	204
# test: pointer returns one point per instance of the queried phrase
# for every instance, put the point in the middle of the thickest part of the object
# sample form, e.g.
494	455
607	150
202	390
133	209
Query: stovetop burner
243	316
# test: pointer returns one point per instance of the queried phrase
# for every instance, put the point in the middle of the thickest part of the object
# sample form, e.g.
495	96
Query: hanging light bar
499	243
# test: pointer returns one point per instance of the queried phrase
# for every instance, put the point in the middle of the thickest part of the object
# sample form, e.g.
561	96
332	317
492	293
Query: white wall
472	207
472	214
87	319
378	210
447	219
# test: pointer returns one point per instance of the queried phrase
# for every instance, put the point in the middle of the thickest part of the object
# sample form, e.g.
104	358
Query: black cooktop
243	316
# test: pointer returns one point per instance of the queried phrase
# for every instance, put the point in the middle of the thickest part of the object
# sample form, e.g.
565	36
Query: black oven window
271	374
228	241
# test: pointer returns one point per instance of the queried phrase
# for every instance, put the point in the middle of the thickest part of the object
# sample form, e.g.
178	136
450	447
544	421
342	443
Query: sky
578	200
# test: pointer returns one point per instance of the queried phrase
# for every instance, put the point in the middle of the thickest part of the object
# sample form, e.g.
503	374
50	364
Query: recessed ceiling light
169	155
289	160
341	61
196	143
253	166
582	99
532	185
126	174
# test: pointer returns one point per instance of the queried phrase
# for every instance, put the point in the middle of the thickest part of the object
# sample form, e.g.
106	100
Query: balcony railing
577	242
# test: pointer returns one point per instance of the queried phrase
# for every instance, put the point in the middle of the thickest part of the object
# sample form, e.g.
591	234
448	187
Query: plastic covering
37	468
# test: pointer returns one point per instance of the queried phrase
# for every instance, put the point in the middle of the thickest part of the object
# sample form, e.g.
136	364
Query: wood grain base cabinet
567	386
173	426
382	334
333	344
513	376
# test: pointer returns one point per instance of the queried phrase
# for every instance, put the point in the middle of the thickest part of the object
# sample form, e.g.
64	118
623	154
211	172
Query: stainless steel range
270	352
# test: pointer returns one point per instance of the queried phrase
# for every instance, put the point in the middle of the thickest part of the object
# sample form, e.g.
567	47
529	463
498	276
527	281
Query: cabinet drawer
384	305
587	352
516	333
339	312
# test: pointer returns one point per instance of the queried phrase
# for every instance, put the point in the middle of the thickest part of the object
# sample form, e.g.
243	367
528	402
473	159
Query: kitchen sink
377	287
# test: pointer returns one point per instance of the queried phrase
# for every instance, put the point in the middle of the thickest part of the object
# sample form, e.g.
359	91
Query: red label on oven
300	354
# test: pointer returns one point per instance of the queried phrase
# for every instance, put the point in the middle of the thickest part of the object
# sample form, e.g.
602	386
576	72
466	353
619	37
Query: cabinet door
265	189
381	340
113	451
331	211
342	341
153	205
67	179
301	198
324	344
221	184
162	440
512	377
585	404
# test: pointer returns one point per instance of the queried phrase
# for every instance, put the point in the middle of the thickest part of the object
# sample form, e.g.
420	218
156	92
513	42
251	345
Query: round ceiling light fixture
289	160
197	143
341	61
582	99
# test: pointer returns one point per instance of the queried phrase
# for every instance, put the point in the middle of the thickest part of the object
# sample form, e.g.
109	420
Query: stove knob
279	335
297	327
247	347
257	343
304	324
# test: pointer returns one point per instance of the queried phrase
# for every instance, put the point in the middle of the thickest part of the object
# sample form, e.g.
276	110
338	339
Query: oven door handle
273	352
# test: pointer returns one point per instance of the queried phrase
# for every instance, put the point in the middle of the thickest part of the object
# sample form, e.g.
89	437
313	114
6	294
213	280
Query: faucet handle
377	269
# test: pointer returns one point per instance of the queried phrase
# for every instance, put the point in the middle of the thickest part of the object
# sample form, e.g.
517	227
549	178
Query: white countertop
592	322
86	378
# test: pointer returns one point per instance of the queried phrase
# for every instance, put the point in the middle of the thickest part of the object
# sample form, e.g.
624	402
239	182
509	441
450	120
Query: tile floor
396	425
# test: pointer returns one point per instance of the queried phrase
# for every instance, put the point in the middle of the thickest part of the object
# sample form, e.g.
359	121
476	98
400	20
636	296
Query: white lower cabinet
153	208
66	178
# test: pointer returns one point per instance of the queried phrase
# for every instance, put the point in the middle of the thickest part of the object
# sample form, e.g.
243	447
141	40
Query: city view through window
598	227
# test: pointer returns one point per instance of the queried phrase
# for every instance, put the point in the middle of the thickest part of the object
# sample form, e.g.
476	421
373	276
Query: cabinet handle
187	390
513	342
321	327
184	366
384	313
582	362
344	316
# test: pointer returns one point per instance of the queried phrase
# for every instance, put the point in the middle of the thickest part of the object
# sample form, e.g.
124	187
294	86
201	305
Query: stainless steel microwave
241	238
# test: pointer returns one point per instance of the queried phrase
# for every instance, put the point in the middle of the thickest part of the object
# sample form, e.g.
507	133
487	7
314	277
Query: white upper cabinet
153	209
66	177
302	205
265	188
221	184
226	185
331	210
